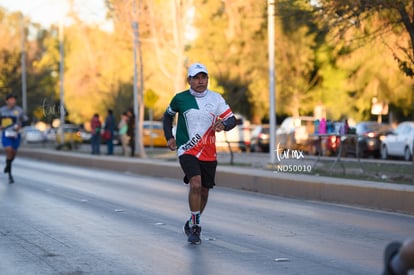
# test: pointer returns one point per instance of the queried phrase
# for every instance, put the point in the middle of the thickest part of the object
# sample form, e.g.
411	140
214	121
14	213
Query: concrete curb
369	194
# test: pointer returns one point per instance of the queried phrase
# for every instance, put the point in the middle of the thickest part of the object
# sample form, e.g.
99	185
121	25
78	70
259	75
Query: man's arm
168	125
230	123
225	125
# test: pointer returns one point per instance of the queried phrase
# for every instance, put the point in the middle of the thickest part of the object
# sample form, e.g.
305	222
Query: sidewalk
369	194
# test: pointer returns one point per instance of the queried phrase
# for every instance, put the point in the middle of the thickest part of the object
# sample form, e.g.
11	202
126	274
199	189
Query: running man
12	118
201	113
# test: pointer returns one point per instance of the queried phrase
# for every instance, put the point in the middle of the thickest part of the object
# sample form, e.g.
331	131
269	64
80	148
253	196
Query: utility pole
62	92
23	64
272	77
138	94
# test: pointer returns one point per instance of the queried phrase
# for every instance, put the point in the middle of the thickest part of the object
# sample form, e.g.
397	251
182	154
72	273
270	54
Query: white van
296	133
237	139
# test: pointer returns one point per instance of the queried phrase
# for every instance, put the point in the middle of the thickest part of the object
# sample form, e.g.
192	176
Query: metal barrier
342	138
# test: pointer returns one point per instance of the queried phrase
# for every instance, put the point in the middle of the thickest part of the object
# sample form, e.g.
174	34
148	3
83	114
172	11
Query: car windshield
153	126
377	127
70	130
265	130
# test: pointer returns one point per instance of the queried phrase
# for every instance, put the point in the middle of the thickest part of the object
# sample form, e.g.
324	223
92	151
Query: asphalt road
68	220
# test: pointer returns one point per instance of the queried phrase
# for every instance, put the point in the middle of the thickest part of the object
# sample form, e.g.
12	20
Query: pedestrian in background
96	127
12	118
131	130
201	113
122	131
109	132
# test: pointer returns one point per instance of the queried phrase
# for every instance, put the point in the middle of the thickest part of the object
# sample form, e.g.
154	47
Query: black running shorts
192	166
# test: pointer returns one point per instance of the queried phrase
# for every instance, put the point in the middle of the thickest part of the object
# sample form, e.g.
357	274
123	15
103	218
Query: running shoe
390	251
187	228
195	234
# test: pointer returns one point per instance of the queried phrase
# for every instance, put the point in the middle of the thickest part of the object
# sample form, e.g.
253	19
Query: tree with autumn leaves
337	53
375	36
389	16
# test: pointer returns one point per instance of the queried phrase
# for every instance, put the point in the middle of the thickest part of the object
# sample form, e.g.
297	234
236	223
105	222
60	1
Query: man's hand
218	126
172	144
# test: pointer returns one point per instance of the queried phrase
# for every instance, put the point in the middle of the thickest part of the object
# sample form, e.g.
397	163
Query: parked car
237	138
259	138
50	134
399	143
31	134
329	144
153	134
332	145
71	136
368	134
85	135
296	133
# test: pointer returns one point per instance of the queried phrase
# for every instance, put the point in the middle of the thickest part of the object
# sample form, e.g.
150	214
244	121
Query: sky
47	12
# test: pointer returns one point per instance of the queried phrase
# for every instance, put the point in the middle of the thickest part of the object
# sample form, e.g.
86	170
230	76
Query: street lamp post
272	78
62	92
23	64
138	94
135	89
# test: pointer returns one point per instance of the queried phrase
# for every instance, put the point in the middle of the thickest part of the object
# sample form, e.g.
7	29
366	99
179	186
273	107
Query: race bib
10	133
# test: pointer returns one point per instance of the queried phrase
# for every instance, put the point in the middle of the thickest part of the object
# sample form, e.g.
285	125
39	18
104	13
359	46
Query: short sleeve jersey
196	116
10	117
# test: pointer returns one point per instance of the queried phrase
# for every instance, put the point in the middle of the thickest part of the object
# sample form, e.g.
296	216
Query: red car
332	144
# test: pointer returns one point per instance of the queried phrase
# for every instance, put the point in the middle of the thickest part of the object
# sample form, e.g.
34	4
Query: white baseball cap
197	68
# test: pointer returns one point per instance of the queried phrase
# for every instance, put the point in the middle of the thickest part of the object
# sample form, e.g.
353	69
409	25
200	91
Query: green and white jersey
196	116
